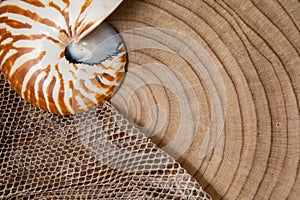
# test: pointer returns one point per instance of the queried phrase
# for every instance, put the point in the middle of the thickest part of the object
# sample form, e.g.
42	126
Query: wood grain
255	46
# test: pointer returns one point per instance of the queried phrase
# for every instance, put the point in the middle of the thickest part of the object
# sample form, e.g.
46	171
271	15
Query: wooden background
255	46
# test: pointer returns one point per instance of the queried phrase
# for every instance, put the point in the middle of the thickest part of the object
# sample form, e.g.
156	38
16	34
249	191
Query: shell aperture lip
99	45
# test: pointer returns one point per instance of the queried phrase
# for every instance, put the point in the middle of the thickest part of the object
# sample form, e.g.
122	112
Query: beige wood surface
255	46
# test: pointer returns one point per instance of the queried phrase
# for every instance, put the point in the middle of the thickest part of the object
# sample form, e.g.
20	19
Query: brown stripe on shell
55	6
85	27
86	4
70	101
72	74
108	77
110	90
75	66
49	22
53	40
119	76
14	24
123	58
5	48
62	54
51	103
2	31
71	85
61	93
41	101
27	37
82	69
67	3
35	3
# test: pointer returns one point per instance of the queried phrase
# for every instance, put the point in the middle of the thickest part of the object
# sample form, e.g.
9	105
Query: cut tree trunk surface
251	53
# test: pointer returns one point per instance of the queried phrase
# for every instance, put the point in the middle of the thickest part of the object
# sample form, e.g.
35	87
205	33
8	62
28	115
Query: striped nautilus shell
59	55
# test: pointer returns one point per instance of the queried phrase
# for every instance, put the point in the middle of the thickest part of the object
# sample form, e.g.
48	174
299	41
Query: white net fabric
92	155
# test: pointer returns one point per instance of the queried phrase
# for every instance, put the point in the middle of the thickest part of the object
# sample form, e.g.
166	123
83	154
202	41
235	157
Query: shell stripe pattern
33	38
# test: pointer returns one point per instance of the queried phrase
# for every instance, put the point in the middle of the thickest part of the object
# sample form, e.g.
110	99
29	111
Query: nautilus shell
59	55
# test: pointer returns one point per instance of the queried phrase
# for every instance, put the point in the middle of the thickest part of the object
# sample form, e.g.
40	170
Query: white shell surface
33	38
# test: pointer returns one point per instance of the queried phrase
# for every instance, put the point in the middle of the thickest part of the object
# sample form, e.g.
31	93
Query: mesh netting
97	154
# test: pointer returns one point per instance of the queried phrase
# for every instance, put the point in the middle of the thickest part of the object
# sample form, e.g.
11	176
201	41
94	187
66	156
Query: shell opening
96	47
